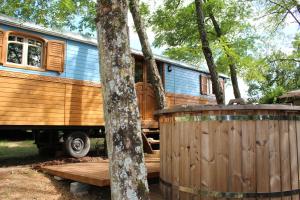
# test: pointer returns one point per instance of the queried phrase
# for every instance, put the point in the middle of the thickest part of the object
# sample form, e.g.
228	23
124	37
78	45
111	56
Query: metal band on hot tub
235	195
196	118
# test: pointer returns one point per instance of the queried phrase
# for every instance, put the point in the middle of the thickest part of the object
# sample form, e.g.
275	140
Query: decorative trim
198	118
231	195
11	65
4	73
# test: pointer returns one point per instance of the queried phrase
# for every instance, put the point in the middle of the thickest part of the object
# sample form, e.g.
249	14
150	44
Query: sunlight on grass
9	149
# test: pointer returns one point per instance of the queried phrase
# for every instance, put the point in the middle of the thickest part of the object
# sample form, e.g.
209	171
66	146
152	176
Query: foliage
74	15
169	23
276	74
277	12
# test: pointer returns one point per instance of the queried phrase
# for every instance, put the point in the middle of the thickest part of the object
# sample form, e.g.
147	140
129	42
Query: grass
17	149
26	148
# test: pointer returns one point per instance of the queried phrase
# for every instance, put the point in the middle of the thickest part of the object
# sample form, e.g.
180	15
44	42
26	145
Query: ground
21	179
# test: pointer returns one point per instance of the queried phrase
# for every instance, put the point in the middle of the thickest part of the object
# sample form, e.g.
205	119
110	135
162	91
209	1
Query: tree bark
208	53
122	120
148	55
232	66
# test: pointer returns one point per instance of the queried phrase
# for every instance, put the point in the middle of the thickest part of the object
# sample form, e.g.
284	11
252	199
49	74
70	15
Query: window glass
20	39
24	51
34	56
30	41
15	53
11	38
38	43
138	76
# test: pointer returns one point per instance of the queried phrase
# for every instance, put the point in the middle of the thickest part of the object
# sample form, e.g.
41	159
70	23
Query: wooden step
147	131
153	141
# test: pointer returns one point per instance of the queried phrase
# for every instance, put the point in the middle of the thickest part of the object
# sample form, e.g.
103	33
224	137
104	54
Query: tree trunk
148	55
208	53
122	121
232	67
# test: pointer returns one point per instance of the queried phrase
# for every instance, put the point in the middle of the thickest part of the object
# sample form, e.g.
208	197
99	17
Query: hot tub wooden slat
262	152
195	156
298	145
275	178
168	154
184	179
222	156
212	133
205	155
235	157
285	156
294	157
176	158
208	152
248	157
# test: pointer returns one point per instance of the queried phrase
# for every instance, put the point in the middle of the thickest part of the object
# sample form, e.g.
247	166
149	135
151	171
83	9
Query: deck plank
95	173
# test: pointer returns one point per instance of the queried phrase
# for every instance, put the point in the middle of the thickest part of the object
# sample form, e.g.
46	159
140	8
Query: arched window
24	50
31	52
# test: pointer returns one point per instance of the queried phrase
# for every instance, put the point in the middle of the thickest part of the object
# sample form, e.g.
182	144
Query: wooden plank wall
31	102
25	101
229	156
83	105
180	99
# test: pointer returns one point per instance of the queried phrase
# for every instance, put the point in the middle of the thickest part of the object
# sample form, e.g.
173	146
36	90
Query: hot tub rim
199	108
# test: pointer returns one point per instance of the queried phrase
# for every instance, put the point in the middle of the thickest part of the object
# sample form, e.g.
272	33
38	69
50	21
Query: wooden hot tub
228	152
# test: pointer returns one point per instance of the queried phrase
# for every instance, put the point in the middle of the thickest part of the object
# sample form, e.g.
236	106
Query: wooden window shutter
203	85
55	56
2	46
222	83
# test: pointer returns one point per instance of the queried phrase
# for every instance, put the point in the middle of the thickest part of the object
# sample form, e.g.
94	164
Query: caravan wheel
77	144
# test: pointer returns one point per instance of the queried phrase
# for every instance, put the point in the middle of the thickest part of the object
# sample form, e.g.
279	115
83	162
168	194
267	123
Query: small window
24	51
206	85
209	86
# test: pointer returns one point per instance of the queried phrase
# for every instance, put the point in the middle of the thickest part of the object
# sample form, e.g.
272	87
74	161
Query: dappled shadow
21	161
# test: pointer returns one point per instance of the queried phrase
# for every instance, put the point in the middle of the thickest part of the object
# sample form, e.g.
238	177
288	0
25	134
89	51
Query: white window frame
25	50
209	86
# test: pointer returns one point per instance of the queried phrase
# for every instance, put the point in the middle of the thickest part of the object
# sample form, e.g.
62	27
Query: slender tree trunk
232	67
141	30
122	120
208	53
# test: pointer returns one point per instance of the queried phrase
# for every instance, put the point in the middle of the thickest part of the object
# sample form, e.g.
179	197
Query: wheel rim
77	144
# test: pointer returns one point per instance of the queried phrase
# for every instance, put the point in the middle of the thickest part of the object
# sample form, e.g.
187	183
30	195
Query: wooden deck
95	173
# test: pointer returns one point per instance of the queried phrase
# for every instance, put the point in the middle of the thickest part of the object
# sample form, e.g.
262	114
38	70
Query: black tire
77	144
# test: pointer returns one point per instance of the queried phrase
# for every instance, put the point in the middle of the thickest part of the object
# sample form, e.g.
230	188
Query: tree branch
288	10
285	59
278	24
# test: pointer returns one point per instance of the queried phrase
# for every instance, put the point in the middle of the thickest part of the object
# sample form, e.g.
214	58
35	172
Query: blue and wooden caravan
50	83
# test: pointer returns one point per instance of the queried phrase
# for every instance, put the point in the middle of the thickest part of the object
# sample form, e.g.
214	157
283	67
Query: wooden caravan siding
180	99
29	100
83	105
